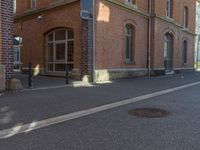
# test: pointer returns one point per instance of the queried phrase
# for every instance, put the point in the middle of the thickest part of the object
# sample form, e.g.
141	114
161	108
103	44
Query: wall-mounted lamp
40	17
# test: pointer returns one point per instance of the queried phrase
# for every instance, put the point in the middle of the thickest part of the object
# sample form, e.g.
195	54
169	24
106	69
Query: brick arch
130	22
185	39
170	31
55	28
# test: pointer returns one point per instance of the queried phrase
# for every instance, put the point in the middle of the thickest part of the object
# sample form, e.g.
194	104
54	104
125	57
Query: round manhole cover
149	112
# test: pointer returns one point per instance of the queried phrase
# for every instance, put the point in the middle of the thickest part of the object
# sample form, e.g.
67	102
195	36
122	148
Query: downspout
149	38
94	45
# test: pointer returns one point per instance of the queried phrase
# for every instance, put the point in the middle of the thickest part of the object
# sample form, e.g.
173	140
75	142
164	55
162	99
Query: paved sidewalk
40	81
27	106
113	129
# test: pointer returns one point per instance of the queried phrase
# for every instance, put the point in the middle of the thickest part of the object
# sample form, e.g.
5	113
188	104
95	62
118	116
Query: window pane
60	35
50	37
70	34
16	54
129	43
59	67
127	48
60	51
50	52
50	67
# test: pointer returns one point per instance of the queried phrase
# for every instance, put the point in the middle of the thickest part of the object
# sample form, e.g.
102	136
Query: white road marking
60	119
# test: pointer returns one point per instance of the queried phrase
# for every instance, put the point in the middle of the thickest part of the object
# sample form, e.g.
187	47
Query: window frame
186	17
65	41
31	4
130	48
169	8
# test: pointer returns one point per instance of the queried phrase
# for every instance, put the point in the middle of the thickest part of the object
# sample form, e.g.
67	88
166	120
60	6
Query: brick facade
108	45
6	37
34	43
111	18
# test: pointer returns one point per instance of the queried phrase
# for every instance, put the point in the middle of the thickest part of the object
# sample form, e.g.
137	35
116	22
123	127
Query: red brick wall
6	36
110	46
178	8
22	5
163	25
110	37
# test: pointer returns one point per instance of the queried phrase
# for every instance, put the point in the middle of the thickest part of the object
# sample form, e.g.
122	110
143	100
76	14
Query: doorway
168	50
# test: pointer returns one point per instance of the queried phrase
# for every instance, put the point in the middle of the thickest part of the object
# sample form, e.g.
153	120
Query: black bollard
66	74
30	83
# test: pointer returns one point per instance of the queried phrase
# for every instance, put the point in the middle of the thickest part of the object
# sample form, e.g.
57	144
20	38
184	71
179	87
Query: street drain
149	112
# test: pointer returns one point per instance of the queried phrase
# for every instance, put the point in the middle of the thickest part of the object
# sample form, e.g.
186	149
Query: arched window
129	47
169	8
185	15
60	50
185	47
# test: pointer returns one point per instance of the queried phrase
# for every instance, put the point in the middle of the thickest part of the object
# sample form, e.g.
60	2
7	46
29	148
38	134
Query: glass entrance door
17	53
168	53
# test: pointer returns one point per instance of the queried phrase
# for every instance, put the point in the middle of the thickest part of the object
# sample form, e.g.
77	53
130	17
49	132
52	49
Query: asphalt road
113	129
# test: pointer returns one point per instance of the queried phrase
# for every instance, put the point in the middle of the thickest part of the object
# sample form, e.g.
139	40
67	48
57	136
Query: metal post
66	74
30	83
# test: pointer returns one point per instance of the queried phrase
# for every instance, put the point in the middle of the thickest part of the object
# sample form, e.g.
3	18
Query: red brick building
110	39
6	41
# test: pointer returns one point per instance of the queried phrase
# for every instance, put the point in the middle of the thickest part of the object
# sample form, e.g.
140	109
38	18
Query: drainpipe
94	43
149	38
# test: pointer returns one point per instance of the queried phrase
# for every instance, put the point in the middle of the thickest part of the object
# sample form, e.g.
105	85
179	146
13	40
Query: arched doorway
59	51
168	50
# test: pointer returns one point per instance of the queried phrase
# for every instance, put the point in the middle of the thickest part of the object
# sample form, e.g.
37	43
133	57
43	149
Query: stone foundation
113	74
2	78
161	72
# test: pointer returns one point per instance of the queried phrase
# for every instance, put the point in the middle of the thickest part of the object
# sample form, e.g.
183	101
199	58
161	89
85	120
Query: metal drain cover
149	112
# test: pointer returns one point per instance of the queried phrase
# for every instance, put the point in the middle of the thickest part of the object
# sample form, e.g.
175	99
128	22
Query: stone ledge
107	75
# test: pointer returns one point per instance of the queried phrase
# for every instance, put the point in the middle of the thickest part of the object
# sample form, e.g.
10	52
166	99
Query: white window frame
54	42
131	44
33	4
169	8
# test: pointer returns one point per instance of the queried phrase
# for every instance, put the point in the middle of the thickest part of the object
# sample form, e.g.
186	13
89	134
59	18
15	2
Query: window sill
31	9
133	6
130	62
185	29
170	19
184	64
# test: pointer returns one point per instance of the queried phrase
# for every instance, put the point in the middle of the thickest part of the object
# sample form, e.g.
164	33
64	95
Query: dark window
129	36
169	8
185	46
185	17
31	4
